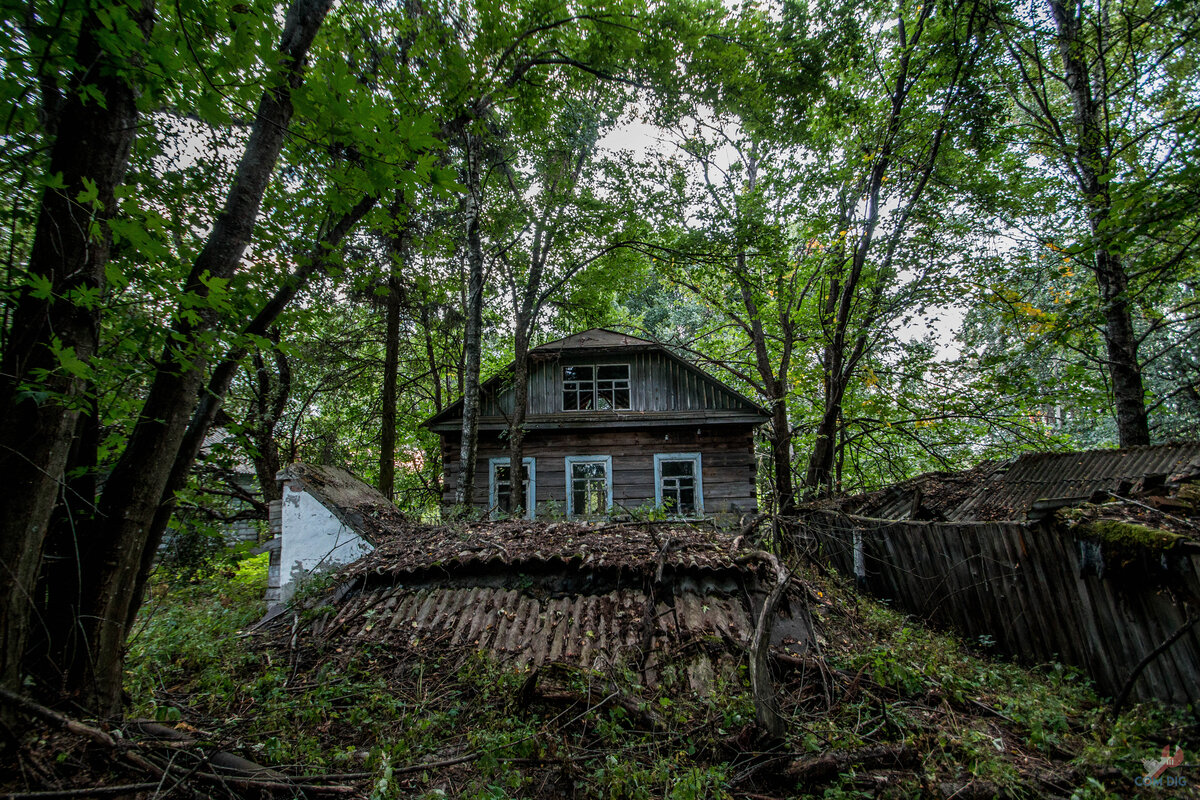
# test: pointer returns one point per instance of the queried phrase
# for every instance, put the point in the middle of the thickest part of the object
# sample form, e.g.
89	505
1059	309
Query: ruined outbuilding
1089	558
326	518
599	595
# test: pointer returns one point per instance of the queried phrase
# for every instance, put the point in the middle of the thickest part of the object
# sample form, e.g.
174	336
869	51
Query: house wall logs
727	464
1039	592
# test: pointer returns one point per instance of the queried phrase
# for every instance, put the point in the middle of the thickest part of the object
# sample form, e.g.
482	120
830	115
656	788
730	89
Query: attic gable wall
658	382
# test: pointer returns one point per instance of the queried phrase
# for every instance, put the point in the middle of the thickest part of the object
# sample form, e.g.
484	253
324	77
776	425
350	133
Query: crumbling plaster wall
314	540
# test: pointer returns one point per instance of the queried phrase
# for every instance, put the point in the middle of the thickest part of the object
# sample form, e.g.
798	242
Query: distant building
615	423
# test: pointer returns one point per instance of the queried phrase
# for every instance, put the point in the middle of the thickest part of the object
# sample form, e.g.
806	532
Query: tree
1106	94
85	623
53	331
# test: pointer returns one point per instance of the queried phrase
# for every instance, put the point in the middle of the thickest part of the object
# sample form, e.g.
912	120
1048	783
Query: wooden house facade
614	423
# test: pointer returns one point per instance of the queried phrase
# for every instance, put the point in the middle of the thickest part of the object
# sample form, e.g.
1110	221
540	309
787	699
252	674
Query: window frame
595	381
571	461
530	463
697	472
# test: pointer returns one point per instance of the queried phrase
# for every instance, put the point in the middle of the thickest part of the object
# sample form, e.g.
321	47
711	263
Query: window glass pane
621	398
589	488
570	400
611	371
504	486
577	373
677	485
677	468
590	469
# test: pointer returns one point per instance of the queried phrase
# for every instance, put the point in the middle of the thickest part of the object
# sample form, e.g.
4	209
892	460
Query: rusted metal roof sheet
1010	493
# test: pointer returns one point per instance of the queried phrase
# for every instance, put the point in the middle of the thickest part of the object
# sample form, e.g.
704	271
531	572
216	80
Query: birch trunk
464	490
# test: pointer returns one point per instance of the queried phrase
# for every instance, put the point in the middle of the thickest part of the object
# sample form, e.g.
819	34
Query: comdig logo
1155	767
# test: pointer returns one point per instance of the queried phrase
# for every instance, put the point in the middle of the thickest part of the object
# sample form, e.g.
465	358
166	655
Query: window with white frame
500	498
679	484
589	485
603	387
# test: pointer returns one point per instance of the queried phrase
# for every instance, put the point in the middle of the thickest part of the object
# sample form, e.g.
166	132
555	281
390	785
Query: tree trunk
516	426
70	544
391	358
1092	170
464	490
272	391
70	249
134	490
430	354
773	382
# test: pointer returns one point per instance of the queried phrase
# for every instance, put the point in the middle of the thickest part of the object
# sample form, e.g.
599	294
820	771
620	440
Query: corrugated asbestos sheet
594	630
537	592
416	547
1010	493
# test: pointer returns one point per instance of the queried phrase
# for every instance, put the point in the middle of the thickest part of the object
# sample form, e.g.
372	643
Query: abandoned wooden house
614	423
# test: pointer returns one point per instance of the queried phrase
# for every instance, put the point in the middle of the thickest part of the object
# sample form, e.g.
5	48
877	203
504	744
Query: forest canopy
240	234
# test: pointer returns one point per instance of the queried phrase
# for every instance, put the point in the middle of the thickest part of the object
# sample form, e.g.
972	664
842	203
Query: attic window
596	386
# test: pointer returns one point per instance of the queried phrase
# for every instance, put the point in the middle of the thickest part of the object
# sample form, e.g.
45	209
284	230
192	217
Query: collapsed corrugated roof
993	491
595	595
630	547
1010	493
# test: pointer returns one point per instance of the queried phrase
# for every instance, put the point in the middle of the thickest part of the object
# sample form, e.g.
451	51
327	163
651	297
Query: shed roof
1008	490
593	594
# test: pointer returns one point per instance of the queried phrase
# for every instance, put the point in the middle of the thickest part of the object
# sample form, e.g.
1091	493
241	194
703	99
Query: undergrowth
427	721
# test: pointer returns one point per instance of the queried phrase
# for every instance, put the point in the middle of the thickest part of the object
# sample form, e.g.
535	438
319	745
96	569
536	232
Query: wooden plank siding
726	457
1038	591
657	382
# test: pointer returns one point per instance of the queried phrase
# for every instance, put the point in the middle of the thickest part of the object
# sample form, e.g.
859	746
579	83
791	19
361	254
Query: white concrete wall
314	540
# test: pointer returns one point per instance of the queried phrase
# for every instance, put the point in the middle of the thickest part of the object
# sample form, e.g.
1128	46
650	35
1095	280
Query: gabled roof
595	339
594	342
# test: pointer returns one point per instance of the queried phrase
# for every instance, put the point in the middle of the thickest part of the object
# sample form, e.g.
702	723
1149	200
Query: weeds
431	722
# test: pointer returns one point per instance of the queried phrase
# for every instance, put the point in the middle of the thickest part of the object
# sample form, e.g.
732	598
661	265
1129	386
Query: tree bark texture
464	490
516	427
391	357
1091	167
70	249
134	490
272	389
